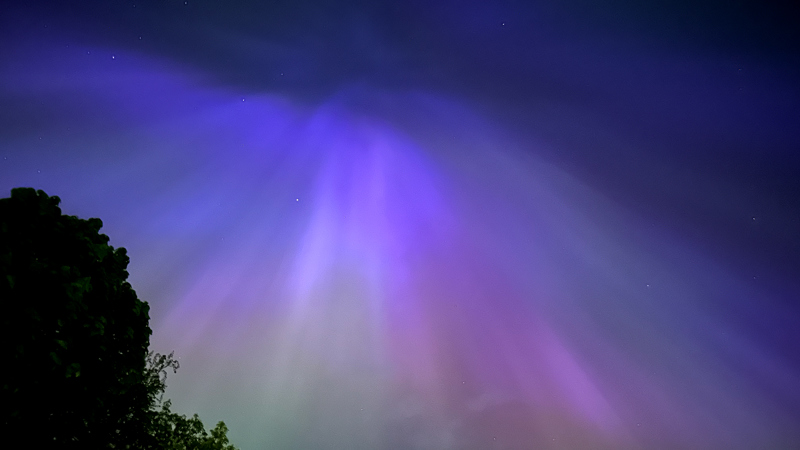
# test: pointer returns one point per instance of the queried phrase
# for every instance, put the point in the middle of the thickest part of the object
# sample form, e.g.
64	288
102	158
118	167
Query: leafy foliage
172	431
75	338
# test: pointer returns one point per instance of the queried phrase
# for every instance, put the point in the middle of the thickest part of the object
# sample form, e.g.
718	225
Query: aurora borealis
477	225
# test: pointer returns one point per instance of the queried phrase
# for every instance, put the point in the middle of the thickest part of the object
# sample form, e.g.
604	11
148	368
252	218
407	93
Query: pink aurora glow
335	277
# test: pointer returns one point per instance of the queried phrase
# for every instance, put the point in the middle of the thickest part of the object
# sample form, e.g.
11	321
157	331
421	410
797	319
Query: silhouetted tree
75	337
172	431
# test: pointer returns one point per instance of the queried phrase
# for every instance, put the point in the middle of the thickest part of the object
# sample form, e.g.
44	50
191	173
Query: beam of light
334	278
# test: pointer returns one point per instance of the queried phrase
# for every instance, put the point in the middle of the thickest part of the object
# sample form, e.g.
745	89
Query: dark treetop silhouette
75	339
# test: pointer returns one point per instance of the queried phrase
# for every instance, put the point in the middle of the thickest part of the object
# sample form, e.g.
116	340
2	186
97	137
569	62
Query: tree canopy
78	370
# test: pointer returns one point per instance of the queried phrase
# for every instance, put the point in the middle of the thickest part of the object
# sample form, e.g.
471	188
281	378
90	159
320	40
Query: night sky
438	224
